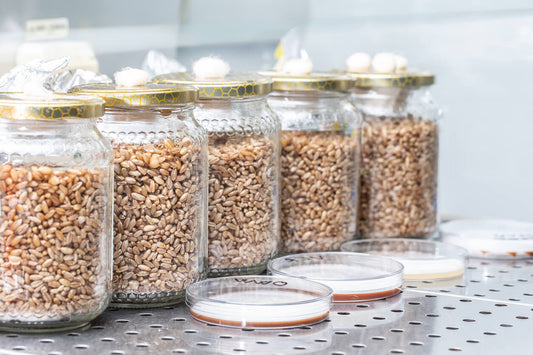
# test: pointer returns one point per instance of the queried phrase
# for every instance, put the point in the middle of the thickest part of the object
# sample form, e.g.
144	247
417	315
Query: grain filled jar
243	170
400	155
319	160
160	168
55	212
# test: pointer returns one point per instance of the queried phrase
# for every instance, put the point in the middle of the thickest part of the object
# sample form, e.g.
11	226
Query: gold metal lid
310	82
18	106
406	79
232	85
146	95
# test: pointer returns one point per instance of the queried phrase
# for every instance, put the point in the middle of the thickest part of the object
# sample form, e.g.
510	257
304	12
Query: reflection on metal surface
490	311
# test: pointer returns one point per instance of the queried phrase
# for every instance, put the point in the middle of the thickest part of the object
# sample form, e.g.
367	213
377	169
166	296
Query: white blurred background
481	51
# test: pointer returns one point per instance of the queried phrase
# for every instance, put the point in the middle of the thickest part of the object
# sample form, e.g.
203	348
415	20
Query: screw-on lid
155	95
405	79
309	82
18	106
232	85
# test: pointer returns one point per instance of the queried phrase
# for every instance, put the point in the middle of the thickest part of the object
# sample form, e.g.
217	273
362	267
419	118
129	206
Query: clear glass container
55	212
319	160
244	138
399	155
160	175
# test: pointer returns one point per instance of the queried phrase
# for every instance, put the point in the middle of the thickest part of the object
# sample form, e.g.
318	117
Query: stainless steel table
488	311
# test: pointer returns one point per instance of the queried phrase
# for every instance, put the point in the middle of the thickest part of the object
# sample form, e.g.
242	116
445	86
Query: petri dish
268	302
353	277
490	238
422	259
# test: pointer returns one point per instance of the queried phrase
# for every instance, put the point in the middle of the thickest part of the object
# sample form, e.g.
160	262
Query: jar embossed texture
400	155
243	227
159	175
319	160
55	213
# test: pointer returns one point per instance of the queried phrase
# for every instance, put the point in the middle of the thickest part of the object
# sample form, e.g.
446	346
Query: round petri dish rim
206	299
349	253
439	246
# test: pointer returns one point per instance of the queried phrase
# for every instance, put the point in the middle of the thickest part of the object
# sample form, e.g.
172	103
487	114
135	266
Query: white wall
482	53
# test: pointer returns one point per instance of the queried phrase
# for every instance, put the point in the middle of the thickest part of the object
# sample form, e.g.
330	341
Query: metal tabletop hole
19	348
203	343
263	342
156	326
469	320
379	318
397	351
505	325
299	348
452	328
225	337
179	351
284	335
472	341
122	320
46	341
81	346
118	352
485	312
360	325
415	323
416	343
178	319
500	305
432	315
362	305
449	307
434	335
97	327
131	332
107	340
344	313
73	334
411	286
522	317
489	333
397	310
414	303
239	350
359	346
397	330
146	314
378	338
341	332
321	340
190	331
455	349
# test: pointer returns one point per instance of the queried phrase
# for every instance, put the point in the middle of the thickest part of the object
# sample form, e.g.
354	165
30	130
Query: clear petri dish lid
422	259
490	238
268	302
352	276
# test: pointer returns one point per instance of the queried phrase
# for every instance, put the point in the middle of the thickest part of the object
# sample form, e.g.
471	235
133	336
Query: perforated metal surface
467	315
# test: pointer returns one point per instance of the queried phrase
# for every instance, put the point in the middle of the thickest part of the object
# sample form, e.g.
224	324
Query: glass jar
400	155
243	133
160	169
55	212
319	160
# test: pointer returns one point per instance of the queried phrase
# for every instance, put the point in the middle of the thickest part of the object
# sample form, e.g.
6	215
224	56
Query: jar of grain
243	170
160	169
55	212
319	160
400	153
